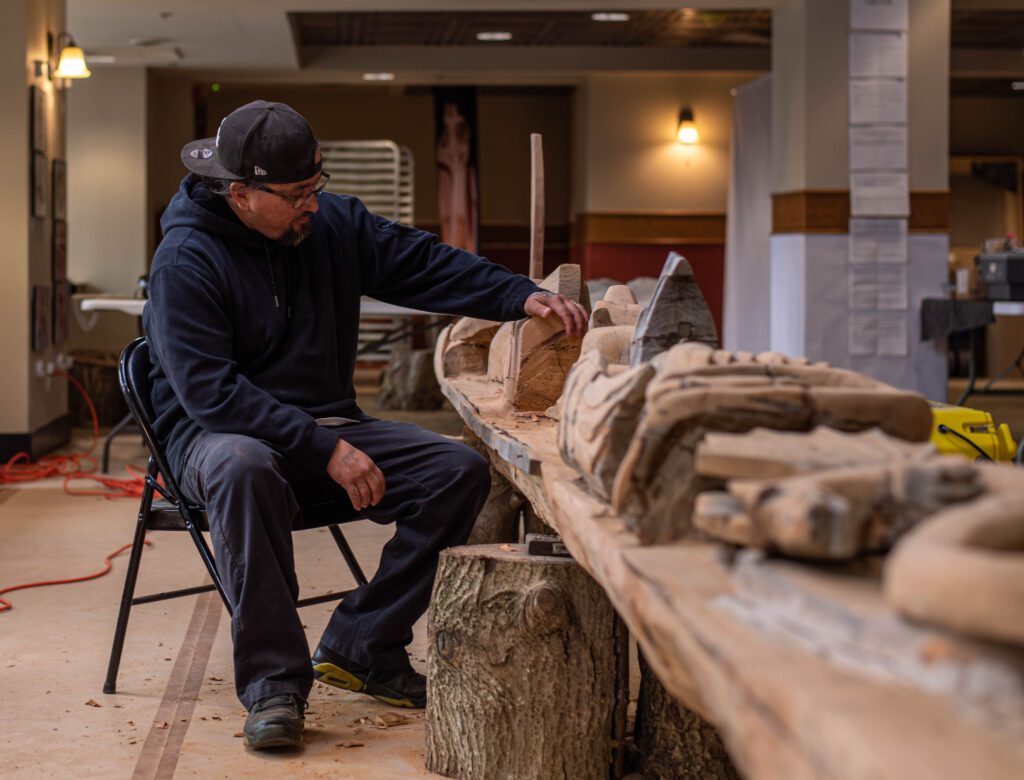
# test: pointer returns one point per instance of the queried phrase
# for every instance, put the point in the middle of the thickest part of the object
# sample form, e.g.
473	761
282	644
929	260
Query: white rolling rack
381	175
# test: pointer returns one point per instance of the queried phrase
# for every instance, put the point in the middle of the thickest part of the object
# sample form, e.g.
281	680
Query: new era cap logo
206	154
260	171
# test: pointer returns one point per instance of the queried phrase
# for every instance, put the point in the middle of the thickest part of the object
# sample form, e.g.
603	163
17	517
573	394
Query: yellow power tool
971	433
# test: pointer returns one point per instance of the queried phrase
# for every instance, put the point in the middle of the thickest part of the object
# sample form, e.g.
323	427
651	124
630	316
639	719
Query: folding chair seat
164	508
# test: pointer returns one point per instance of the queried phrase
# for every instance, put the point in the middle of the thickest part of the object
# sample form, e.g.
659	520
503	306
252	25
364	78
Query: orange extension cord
6	605
76	465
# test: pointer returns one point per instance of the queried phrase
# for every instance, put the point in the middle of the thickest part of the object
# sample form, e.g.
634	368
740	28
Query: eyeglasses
298	201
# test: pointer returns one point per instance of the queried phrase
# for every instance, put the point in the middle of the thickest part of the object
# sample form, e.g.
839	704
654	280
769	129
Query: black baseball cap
261	141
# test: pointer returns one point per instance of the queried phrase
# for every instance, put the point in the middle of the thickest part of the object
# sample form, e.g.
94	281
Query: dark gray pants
435	488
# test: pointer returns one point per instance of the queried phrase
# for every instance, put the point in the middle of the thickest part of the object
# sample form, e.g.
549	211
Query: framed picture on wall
61	309
60	189
40	317
39	125
60	251
39	178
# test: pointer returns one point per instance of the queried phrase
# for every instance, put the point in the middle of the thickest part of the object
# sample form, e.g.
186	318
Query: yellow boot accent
334	675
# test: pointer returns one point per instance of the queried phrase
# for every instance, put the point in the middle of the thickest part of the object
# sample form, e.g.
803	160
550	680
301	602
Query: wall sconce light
71	62
686	132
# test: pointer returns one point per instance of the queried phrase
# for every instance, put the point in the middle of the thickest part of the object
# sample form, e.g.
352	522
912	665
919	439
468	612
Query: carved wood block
467	346
617	307
835	514
964	568
497	356
540	353
598	416
611	342
698	389
677	312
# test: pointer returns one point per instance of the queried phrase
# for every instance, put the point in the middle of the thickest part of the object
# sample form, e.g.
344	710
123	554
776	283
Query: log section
525	678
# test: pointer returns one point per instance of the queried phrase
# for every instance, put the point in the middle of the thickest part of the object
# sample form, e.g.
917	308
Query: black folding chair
173	512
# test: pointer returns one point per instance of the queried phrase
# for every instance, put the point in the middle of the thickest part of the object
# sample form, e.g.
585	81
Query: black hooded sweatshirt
253	338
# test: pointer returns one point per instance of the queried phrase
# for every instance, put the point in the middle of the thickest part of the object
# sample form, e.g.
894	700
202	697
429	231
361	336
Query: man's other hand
572	314
354	471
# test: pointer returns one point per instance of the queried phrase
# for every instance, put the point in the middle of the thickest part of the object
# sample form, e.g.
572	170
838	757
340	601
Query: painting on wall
60	189
40	317
39	184
61	309
60	251
39	125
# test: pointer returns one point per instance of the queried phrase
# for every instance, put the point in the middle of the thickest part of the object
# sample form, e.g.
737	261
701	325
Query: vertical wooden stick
536	206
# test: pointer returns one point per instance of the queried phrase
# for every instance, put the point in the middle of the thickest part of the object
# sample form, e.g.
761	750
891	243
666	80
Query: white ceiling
253	37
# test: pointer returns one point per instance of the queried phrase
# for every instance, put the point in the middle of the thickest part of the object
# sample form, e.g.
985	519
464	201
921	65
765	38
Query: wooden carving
695	390
497	356
596	428
467	346
837	513
676	313
540	354
617	307
611	342
964	568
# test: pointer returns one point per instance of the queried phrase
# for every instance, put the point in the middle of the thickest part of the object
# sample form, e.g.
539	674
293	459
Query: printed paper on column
878	240
879	194
878	101
891	287
863	333
878	55
891	335
878	15
878	147
863	287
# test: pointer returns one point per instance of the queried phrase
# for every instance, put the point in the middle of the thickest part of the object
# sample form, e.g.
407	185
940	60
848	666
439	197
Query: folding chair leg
348	555
207	556
134	560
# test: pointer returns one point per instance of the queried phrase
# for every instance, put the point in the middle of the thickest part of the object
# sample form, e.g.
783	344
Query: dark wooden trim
39	442
828	211
653	227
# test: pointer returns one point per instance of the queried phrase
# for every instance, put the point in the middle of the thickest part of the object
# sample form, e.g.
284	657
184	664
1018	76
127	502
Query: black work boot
403	687
275	722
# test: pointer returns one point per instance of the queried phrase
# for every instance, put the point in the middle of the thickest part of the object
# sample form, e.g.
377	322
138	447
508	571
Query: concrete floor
54	645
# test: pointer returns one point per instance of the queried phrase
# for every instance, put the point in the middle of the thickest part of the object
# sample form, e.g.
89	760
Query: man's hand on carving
572	314
354	471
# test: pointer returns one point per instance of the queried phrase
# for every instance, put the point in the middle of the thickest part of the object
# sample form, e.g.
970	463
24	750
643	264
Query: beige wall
107	249
630	159
14	216
26	403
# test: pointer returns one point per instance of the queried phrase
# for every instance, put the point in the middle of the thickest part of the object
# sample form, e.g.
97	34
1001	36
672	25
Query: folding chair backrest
133	372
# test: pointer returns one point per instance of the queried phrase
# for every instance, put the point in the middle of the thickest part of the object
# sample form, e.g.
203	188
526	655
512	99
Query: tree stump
525	674
675	743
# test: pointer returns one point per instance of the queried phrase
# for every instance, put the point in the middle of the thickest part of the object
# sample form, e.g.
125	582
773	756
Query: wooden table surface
804	669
